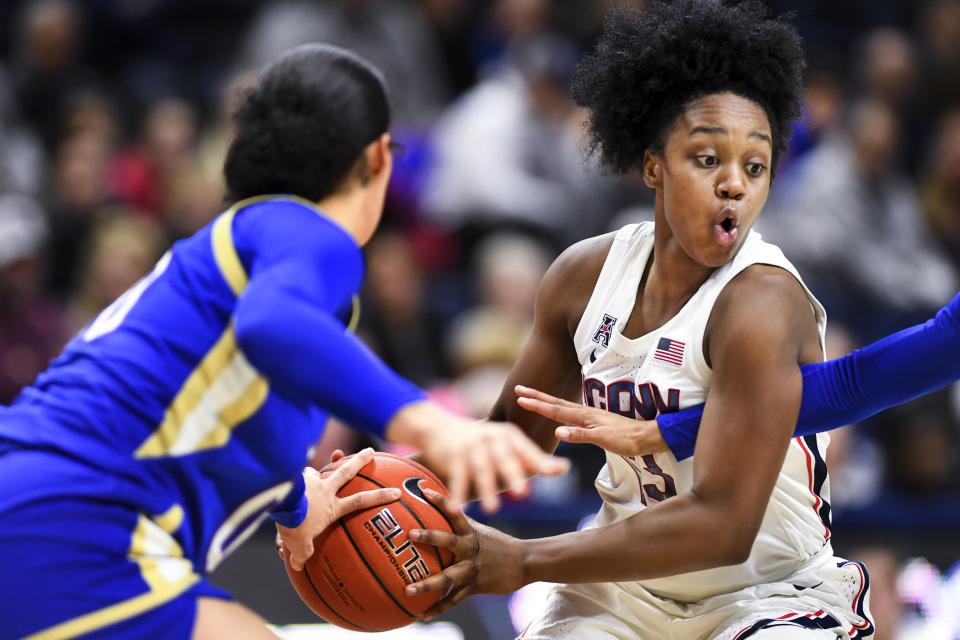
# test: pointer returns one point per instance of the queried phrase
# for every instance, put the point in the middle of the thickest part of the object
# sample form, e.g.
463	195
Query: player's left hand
485	560
615	433
324	507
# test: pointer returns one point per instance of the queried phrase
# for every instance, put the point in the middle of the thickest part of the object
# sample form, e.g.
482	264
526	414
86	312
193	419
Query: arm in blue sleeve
303	268
306	351
291	512
893	370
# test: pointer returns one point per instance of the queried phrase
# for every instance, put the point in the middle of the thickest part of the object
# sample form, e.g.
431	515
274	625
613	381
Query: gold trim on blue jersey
225	253
354	315
221	238
221	392
224	389
162	566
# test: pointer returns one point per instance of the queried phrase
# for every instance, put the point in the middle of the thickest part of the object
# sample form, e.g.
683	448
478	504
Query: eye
708	161
755	169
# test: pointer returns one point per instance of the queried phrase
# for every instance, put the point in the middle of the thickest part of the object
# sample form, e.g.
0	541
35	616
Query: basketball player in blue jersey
184	414
694	308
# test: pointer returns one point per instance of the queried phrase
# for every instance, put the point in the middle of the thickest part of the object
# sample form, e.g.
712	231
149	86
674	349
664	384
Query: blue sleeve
291	512
303	268
893	370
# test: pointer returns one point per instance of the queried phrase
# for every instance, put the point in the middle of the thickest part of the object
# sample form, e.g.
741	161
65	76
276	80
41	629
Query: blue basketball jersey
157	393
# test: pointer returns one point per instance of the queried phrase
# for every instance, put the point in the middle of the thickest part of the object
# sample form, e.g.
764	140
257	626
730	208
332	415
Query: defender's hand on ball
324	507
615	433
485	560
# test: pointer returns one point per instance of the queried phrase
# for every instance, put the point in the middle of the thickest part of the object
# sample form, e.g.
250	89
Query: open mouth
725	227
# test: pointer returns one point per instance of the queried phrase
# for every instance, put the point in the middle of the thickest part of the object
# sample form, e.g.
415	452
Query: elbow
736	552
735	547
732	534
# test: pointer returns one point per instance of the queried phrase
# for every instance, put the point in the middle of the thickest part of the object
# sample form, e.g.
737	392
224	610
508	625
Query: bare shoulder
569	282
765	303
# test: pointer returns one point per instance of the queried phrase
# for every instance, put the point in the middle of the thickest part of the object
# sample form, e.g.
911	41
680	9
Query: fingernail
430	493
411	590
367	450
563	432
415	534
394	493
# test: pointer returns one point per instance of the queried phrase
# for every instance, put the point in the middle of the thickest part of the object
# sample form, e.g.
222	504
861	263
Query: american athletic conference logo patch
602	335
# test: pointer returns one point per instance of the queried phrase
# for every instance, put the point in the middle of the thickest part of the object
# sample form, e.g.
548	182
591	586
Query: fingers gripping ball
361	564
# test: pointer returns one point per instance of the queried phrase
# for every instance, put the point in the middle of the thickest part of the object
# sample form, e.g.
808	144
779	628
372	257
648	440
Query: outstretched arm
302	269
891	371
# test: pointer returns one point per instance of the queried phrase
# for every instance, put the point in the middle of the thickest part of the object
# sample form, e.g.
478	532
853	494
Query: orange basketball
361	564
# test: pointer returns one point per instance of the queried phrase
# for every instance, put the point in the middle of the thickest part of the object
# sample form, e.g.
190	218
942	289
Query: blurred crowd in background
115	117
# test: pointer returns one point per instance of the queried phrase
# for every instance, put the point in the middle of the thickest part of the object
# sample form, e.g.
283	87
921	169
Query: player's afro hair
649	66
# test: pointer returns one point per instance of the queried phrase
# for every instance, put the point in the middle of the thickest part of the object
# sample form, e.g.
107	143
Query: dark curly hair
649	66
304	125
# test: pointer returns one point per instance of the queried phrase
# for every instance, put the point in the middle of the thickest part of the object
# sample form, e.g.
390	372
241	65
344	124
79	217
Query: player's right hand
477	458
615	433
324	507
485	560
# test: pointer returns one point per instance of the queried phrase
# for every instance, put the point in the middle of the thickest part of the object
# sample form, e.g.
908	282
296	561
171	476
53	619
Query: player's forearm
680	535
893	370
303	350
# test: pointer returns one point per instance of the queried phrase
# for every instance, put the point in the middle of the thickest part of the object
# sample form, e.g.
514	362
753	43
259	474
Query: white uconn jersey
665	371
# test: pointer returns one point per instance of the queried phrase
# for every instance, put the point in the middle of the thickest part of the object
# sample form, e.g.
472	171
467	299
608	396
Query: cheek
686	201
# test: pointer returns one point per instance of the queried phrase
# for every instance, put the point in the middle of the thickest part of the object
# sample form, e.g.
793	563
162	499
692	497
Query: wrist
525	552
413	424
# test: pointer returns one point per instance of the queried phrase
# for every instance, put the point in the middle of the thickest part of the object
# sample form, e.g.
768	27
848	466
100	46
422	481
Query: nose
730	185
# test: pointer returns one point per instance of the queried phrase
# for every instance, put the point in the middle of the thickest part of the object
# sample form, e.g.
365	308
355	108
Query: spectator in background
77	191
216	136
940	185
123	246
856	232
920	442
508	153
394	35
508	269
22	158
397	320
940	42
141	174
887	70
822	106
46	67
31	324
485	341
505	22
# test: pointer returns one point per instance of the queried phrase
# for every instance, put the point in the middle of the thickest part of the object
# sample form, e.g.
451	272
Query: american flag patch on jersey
669	351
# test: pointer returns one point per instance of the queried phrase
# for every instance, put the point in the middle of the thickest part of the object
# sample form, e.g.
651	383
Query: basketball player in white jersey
734	542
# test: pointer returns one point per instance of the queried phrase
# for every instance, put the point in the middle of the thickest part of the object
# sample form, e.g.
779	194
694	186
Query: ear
652	173
378	155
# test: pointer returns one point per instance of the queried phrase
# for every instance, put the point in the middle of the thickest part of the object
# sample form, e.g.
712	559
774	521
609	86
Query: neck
672	276
346	209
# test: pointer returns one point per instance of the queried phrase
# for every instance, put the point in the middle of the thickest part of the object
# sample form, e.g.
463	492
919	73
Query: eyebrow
723	132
